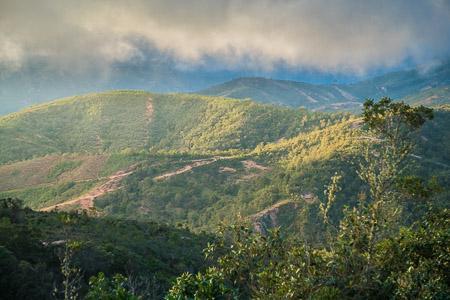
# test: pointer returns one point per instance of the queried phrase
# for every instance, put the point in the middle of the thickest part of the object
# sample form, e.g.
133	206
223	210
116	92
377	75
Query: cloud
334	36
11	54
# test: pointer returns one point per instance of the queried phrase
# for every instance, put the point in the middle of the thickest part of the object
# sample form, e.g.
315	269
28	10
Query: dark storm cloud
343	36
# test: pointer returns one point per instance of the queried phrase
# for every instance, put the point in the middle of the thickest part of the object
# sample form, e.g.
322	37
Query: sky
331	36
183	44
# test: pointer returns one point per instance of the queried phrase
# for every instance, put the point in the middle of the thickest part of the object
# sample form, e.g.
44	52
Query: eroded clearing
149	109
86	201
250	164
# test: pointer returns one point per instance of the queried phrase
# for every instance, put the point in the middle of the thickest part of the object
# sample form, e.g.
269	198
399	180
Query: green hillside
114	121
288	169
237	185
58	151
192	159
91	123
199	123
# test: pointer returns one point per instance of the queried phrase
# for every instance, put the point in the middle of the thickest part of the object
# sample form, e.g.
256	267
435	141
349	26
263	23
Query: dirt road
187	168
86	201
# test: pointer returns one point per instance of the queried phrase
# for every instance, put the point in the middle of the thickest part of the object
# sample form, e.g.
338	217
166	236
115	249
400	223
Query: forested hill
126	158
114	121
414	86
188	159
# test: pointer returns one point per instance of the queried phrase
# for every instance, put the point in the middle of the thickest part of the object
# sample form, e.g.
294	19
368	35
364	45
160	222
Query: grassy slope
51	179
45	170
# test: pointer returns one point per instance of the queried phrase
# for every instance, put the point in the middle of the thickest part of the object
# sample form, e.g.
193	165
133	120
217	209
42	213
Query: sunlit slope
90	123
114	121
193	122
242	185
293	169
197	160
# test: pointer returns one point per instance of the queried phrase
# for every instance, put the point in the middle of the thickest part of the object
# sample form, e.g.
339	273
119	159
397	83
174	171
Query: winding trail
195	164
268	218
86	201
250	164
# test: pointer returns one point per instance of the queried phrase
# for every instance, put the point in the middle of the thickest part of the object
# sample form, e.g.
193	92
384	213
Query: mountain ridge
352	93
398	85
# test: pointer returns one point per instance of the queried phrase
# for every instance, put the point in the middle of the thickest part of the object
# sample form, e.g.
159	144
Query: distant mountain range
428	87
38	84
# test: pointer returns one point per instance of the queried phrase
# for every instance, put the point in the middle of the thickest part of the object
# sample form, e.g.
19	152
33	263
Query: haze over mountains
433	83
31	87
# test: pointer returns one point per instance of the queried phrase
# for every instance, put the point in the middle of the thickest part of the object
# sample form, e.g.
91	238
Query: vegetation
192	122
127	121
197	162
63	167
366	256
41	253
415	86
301	151
77	124
298	166
409	264
100	131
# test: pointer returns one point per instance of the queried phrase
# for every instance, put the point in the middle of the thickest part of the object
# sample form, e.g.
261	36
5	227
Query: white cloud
339	35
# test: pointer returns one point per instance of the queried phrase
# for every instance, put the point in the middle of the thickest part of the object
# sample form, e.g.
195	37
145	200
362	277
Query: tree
349	264
387	141
390	128
104	288
208	285
71	274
